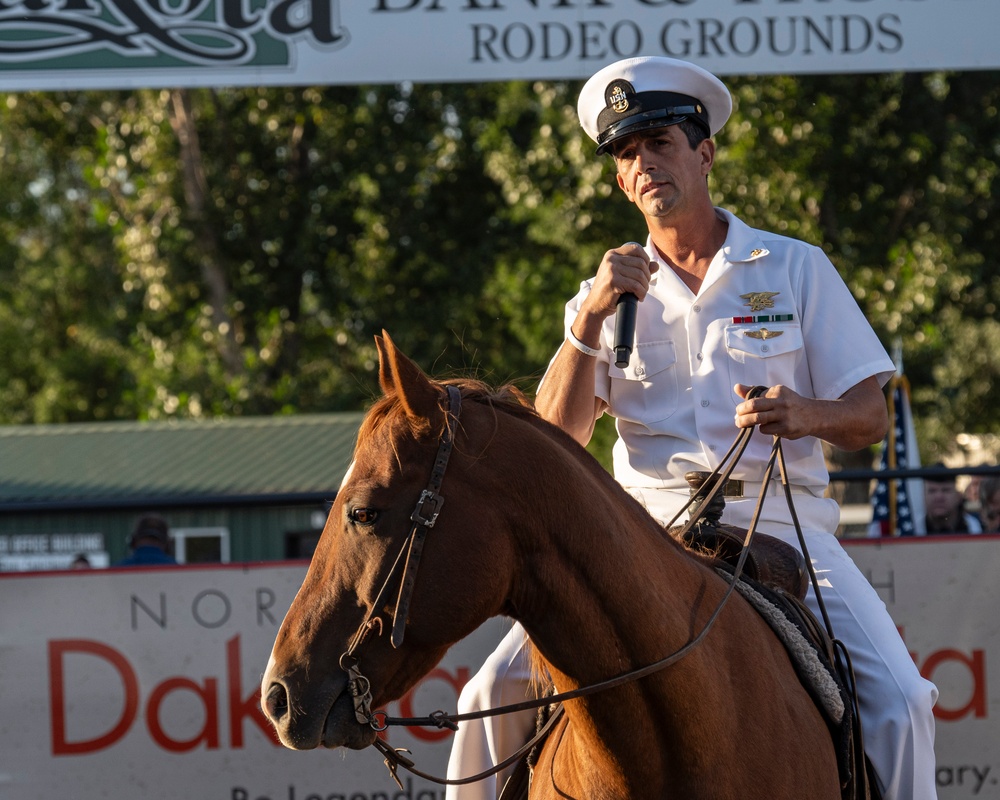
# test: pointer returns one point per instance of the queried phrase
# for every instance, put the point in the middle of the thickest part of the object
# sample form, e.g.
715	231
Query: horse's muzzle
309	717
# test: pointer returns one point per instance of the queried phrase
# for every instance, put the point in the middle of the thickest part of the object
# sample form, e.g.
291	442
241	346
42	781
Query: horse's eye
363	516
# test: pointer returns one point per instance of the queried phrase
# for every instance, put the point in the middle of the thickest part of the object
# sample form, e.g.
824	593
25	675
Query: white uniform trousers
504	679
896	702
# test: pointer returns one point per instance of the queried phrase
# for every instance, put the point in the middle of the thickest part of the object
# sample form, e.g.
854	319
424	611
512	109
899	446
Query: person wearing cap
721	308
945	506
149	543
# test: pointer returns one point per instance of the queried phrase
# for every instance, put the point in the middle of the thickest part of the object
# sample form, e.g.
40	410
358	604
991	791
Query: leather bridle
423	517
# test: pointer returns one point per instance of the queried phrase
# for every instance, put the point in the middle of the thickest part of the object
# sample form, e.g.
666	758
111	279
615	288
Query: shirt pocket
764	356
646	390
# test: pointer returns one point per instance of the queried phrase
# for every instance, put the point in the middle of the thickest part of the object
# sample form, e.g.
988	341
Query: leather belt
750	489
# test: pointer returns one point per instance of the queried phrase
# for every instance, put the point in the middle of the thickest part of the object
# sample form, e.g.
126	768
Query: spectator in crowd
80	561
149	543
946	507
971	494
989	503
970	497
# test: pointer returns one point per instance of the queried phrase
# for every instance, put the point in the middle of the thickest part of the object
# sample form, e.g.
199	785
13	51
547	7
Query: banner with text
941	593
144	683
77	44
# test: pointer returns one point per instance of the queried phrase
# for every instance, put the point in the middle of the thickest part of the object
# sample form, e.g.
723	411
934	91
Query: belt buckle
733	488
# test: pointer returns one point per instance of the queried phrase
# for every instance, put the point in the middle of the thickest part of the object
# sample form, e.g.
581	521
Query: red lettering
242	708
456	681
57	649
206	691
209	696
976	666
975	663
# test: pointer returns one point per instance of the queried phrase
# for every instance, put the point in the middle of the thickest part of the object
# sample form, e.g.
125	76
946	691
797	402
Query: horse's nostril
276	702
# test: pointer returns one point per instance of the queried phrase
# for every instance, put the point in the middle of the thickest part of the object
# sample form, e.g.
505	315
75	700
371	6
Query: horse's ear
397	374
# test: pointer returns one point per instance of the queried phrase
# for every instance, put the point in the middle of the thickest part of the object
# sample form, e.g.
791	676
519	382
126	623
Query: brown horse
532	527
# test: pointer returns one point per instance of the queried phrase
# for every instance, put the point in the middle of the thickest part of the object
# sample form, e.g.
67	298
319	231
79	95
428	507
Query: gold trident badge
758	301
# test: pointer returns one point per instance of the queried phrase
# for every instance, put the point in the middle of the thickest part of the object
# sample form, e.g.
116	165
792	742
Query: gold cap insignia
763	333
618	99
758	301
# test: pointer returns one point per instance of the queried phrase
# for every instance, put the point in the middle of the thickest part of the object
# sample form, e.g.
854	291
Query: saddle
775	581
770	561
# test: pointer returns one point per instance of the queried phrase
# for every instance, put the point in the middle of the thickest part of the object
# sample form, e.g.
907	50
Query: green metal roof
116	461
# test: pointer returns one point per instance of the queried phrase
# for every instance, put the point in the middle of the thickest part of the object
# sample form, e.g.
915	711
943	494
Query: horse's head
335	639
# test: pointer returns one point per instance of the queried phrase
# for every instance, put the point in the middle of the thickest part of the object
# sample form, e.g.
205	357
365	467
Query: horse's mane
507	398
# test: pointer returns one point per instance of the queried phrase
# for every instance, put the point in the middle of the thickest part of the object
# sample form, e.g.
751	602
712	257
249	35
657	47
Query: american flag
898	504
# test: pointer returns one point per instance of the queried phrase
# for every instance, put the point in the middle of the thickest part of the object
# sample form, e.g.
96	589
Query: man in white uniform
722	307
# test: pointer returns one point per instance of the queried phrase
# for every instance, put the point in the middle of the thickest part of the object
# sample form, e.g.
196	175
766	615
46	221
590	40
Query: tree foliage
895	175
234	251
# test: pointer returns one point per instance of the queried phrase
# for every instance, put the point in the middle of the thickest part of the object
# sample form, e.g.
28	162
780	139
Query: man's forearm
857	419
566	396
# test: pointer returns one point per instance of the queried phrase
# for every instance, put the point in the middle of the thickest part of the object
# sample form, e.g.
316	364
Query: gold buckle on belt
733	488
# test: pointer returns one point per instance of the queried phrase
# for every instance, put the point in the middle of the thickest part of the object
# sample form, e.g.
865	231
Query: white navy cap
651	92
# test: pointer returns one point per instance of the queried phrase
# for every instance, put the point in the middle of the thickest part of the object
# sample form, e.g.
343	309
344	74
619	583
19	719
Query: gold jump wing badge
758	301
763	333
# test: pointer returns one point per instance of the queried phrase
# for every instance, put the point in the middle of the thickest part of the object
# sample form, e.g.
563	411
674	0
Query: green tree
62	314
895	175
234	251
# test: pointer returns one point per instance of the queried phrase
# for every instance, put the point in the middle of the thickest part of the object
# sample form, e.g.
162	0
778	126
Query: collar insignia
756	252
758	301
763	333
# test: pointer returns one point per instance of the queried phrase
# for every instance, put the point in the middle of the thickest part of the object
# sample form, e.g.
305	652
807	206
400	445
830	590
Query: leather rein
423	517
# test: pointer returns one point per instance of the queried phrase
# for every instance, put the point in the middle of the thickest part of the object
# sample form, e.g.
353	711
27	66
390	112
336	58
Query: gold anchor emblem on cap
763	333
618	99
758	301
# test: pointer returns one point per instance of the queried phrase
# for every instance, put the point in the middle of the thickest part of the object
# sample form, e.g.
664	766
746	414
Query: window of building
201	545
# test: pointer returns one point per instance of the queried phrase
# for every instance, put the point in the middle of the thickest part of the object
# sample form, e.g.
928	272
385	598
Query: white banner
143	683
70	44
942	593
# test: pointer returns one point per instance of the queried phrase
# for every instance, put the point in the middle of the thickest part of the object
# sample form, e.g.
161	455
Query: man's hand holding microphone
621	283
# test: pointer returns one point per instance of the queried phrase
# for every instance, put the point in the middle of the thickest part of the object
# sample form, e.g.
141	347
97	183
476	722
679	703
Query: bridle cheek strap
424	515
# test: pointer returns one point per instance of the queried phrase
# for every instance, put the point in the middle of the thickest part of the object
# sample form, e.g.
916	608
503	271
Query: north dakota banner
144	683
68	44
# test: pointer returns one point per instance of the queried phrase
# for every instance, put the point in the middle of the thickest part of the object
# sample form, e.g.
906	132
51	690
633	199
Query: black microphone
625	325
625	328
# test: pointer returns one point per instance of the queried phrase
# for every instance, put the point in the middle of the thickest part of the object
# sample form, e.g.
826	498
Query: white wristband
590	351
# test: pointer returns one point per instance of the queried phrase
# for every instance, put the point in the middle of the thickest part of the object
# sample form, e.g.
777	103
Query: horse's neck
603	573
605	595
